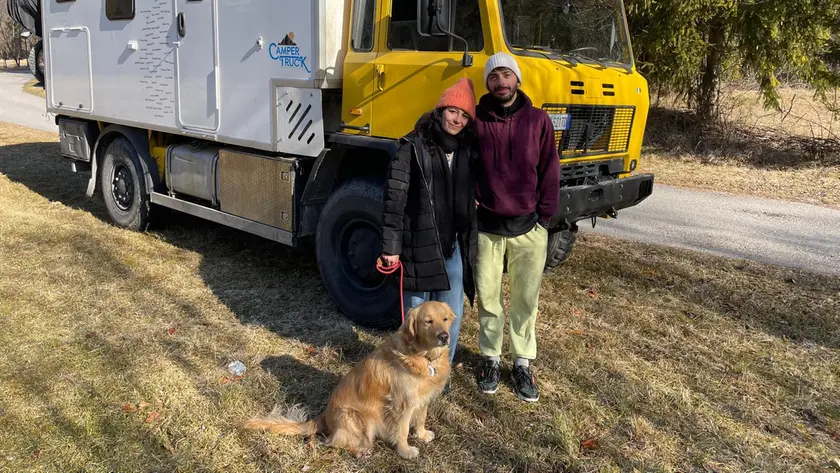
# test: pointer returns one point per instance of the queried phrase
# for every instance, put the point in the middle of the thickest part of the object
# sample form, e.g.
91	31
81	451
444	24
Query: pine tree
690	46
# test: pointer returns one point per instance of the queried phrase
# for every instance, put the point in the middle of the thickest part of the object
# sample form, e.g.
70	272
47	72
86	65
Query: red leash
391	270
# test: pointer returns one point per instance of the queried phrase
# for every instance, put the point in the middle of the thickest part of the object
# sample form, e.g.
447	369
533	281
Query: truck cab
577	65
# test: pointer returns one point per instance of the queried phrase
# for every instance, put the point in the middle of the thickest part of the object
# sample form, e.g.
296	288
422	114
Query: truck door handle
380	77
182	27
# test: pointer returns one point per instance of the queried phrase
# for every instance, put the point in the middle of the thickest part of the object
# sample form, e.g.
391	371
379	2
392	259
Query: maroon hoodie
519	180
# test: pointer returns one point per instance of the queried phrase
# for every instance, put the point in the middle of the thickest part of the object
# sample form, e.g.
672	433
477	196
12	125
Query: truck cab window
119	9
364	12
402	32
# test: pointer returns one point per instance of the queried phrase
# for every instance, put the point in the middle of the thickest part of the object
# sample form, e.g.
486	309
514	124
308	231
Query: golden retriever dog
387	392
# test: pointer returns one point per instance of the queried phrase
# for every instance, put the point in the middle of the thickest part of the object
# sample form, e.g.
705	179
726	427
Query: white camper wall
84	48
262	49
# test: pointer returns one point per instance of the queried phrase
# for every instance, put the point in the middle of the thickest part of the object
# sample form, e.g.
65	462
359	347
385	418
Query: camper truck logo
288	53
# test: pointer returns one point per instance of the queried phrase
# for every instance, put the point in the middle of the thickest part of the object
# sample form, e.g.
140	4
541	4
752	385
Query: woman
429	219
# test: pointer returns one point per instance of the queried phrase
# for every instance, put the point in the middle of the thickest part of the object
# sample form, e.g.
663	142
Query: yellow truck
279	117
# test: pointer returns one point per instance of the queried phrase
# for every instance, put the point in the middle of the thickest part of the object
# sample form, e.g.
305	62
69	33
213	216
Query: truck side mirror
433	17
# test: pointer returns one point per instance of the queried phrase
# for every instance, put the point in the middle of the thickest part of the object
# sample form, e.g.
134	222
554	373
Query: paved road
788	234
16	106
784	233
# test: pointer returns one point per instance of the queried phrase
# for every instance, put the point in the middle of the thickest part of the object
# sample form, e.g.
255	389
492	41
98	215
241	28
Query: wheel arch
139	140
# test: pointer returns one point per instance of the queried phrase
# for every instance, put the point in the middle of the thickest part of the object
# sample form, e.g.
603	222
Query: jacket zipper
434	217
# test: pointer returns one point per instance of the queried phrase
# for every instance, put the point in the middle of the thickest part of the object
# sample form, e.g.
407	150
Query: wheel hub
361	253
122	187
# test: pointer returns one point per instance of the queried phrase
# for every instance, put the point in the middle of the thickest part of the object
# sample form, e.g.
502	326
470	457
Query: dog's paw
409	453
427	436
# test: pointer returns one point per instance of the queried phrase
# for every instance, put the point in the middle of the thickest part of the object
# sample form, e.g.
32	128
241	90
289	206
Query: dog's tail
293	423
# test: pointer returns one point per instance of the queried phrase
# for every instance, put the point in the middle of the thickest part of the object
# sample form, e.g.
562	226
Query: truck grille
593	129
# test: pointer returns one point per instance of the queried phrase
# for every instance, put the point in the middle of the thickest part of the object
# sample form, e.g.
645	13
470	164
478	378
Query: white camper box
240	72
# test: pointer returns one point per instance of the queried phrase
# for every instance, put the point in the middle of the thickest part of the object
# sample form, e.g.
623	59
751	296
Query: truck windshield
583	30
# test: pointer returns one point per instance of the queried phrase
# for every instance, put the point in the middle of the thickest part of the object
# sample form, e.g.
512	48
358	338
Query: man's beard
507	97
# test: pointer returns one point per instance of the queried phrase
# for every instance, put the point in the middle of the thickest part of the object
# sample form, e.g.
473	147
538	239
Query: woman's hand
389	260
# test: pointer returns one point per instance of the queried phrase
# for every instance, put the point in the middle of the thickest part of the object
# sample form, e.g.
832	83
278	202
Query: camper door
197	68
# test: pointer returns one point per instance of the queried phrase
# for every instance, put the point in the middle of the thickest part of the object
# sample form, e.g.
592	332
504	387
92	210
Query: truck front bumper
604	198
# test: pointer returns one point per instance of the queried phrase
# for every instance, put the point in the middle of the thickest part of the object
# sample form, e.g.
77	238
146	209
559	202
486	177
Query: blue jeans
454	297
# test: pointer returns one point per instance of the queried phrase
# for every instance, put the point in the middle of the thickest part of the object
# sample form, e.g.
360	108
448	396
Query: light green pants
526	260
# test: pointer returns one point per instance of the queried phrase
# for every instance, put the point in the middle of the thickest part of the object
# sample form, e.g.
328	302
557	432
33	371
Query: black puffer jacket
409	228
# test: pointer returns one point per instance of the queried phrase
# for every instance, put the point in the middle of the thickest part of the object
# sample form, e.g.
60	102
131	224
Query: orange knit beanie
460	95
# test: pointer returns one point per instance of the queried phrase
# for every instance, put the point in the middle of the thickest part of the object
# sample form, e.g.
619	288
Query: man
517	189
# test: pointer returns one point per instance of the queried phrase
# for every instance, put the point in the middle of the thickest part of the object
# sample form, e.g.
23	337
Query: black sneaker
488	377
524	384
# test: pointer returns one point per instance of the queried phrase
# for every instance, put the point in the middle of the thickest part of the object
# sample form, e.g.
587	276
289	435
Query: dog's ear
409	326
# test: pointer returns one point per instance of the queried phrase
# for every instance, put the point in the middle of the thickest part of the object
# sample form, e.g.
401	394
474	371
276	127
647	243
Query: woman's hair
468	135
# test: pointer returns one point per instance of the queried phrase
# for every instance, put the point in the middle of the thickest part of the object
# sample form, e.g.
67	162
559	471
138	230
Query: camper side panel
120	69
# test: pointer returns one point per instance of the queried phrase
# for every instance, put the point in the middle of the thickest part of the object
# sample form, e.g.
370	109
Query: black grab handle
182	28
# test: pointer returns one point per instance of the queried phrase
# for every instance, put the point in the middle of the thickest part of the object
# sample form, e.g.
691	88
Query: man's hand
389	260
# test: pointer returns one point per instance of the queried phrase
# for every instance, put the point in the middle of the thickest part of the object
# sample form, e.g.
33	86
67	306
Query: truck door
358	75
412	71
196	70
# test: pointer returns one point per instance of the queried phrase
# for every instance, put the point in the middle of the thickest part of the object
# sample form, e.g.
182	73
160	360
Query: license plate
560	121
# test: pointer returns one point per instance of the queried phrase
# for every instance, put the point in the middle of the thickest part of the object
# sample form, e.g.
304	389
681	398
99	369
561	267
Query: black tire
124	187
36	61
559	248
347	244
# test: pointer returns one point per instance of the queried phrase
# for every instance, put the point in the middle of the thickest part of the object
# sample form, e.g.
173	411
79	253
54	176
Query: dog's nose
444	337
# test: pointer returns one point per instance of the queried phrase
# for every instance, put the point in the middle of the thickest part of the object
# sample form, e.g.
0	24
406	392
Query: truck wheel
123	186
559	248
36	61
347	244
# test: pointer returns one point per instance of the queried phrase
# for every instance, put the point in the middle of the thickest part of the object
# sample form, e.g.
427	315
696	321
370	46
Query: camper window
119	9
363	19
403	35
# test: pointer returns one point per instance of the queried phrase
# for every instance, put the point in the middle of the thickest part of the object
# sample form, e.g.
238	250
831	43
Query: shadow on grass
262	282
679	132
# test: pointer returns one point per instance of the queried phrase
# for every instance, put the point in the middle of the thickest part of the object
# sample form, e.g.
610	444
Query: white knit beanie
501	60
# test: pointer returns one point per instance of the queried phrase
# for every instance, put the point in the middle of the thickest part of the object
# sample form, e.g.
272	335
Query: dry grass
35	88
10	64
650	359
793	154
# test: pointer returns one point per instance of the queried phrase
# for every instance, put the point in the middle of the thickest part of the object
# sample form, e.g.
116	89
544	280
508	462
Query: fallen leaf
589	443
237	378
575	332
459	365
171	331
37	454
577	313
311	350
143	405
224	380
153	416
129	408
91	334
593	293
